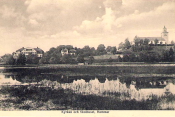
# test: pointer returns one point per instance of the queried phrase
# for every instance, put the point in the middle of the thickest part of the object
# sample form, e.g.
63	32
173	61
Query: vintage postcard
87	58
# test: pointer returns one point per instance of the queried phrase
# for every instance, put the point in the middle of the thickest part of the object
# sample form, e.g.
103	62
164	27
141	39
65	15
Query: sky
50	23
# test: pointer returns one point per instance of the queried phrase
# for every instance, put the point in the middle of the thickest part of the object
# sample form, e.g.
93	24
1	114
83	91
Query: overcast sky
49	23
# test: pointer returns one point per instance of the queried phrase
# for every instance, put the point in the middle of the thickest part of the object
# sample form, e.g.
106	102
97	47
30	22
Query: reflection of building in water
143	83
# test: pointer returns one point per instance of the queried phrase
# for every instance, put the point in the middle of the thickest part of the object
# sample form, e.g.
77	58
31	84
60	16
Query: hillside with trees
136	51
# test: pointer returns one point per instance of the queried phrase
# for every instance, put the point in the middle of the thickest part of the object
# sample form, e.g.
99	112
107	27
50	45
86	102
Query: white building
66	51
161	40
26	51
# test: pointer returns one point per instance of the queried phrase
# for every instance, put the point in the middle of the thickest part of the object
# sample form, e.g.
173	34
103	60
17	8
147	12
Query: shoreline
90	65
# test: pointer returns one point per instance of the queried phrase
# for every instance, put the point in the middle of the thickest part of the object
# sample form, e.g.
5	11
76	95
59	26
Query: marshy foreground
106	88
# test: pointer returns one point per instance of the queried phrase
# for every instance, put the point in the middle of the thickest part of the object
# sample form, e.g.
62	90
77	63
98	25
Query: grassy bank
47	98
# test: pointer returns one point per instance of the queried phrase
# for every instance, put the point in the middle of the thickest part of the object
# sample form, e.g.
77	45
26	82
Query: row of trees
139	50
21	59
146	56
142	51
54	56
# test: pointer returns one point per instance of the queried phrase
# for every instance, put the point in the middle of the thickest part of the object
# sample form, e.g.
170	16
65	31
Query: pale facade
66	51
26	51
160	40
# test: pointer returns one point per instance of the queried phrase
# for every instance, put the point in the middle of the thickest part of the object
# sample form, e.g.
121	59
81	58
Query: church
159	40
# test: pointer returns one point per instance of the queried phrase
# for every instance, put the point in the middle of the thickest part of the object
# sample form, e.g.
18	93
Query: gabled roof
21	49
72	50
38	50
152	38
64	50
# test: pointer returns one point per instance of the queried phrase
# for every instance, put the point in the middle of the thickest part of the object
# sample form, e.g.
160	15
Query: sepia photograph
87	56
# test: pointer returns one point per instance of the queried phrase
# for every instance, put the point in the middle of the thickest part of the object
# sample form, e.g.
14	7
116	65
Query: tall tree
80	59
21	60
91	60
127	44
172	42
137	42
87	50
8	59
67	58
121	46
101	49
108	49
114	50
156	41
146	41
171	55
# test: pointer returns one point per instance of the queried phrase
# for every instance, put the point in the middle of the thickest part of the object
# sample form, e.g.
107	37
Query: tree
137	42
146	41
67	58
121	46
79	51
119	59
101	49
141	41
114	50
126	58
172	42
43	60
127	44
91	60
171	55
108	49
165	56
156	41
8	59
21	60
69	47
86	50
32	59
80	59
93	51
52	60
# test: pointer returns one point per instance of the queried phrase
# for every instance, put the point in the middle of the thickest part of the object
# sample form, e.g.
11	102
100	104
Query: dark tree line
85	54
21	59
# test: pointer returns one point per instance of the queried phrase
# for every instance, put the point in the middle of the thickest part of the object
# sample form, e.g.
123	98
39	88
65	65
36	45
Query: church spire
164	29
164	34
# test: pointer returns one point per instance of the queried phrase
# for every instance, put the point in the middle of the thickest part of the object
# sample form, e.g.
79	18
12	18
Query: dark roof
64	50
72	50
39	51
152	38
21	49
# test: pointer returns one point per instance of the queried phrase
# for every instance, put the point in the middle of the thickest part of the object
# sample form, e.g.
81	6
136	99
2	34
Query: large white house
28	50
161	40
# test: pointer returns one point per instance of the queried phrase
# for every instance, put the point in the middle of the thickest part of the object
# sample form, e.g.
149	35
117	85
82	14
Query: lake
148	87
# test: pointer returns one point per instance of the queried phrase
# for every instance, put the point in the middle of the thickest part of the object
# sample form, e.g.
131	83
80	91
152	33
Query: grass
47	97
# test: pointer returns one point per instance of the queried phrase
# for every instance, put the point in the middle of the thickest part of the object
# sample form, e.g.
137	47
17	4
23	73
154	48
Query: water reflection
127	88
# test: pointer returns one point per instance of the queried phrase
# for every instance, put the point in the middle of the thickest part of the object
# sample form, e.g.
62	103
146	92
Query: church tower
164	34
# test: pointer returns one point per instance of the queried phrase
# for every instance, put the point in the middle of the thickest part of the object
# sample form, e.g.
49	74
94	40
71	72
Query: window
28	49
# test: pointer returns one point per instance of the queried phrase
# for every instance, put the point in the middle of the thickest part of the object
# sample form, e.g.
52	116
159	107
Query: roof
72	50
152	38
39	50
21	49
64	50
